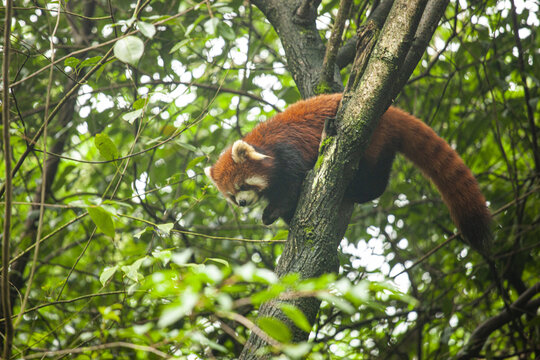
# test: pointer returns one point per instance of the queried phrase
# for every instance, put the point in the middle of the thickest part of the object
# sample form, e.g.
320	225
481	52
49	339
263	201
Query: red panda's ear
242	151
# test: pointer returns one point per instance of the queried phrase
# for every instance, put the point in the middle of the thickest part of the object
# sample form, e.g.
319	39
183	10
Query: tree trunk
322	214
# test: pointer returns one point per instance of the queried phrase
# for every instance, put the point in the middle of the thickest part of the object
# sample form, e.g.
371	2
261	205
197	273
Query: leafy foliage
163	266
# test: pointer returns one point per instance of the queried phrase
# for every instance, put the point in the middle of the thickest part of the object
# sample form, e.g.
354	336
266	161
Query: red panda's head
241	173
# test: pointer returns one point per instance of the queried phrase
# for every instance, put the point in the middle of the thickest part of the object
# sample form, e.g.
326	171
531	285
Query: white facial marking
247	197
258	181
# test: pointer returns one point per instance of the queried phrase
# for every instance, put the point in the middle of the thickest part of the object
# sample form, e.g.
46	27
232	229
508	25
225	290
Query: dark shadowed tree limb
430	19
294	22
329	62
322	214
523	305
347	52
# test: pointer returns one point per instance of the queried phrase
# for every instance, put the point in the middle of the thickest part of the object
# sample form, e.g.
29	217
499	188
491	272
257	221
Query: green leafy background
165	266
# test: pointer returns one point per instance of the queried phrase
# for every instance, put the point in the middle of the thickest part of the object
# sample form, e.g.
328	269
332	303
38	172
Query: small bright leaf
210	26
226	31
140	103
91	61
275	328
179	45
147	29
131	116
166	228
72	61
107	273
129	49
296	315
220	261
338	302
106	146
182	257
195	161
179	309
132	271
103	220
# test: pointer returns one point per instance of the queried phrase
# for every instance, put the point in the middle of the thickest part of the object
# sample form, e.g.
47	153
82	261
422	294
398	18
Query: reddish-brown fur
301	126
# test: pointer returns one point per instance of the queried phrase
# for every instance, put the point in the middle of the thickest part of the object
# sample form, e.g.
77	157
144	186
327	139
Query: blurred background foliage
164	266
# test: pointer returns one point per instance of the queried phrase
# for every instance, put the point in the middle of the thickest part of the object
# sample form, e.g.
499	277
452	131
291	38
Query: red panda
273	159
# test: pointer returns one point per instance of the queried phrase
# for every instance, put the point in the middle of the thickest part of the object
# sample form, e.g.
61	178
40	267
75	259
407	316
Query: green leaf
129	49
103	220
147	29
226	31
107	273
102	67
179	309
210	26
106	146
131	116
166	228
195	161
132	271
179	45
275	328
163	255
182	257
91	61
187	146
297	351
203	340
138	234
337	302
140	103
193	25
297	316
72	62
220	261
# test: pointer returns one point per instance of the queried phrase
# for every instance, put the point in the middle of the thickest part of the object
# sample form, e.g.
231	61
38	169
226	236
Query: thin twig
6	303
526	92
97	46
38	134
441	245
112	345
43	176
69	301
251	326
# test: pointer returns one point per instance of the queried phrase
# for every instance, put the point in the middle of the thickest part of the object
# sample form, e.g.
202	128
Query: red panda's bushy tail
440	163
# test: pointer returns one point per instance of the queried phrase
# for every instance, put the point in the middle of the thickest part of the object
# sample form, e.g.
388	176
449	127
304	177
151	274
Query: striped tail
443	166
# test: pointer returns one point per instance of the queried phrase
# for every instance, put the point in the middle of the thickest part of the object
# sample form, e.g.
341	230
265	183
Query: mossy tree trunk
323	214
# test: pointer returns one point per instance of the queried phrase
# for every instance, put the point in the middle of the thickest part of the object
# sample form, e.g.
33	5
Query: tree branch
329	61
301	41
430	19
481	333
378	16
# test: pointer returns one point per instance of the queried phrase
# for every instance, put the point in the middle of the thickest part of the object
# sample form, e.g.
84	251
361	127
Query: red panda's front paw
270	214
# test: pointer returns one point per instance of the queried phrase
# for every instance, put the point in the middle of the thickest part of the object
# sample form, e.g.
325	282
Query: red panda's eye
244	188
